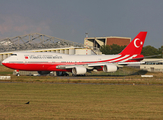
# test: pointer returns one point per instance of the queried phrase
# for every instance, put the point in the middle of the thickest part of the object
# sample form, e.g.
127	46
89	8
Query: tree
111	49
161	51
105	49
146	51
150	50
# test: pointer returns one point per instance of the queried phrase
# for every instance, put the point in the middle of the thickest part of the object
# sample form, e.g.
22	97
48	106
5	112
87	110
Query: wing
82	65
82	69
100	64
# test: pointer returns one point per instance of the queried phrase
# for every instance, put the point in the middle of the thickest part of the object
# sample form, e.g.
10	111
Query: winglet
136	45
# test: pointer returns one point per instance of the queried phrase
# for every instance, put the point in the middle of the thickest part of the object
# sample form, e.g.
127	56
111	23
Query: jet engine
79	70
43	72
110	68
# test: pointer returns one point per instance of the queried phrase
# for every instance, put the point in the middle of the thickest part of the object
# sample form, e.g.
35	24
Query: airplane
77	64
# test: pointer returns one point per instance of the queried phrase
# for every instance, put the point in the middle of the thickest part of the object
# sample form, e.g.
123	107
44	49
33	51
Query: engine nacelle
43	72
110	68
79	70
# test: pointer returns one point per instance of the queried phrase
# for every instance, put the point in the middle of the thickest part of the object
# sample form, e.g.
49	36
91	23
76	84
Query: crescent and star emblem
137	46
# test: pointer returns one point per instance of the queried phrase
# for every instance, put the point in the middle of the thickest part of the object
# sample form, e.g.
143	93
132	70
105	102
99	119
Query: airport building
97	42
152	65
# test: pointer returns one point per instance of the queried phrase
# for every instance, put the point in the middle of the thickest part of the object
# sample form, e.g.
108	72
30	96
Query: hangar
37	42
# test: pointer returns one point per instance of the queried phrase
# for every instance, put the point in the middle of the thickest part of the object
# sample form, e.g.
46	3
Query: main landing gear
17	72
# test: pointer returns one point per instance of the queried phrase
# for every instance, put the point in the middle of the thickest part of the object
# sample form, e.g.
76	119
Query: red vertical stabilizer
136	45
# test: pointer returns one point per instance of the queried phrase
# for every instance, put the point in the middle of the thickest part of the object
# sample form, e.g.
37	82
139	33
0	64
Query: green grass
80	101
6	73
136	79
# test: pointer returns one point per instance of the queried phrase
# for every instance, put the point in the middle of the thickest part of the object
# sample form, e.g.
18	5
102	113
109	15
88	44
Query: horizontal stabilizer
137	58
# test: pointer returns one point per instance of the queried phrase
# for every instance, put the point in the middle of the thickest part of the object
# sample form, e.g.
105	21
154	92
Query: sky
71	19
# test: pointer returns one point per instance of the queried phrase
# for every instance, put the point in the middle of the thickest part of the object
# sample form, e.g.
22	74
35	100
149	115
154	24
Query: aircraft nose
3	62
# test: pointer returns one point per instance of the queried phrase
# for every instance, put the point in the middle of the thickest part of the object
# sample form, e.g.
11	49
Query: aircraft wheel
17	74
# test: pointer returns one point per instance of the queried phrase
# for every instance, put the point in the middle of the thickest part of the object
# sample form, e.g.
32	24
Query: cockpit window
13	54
